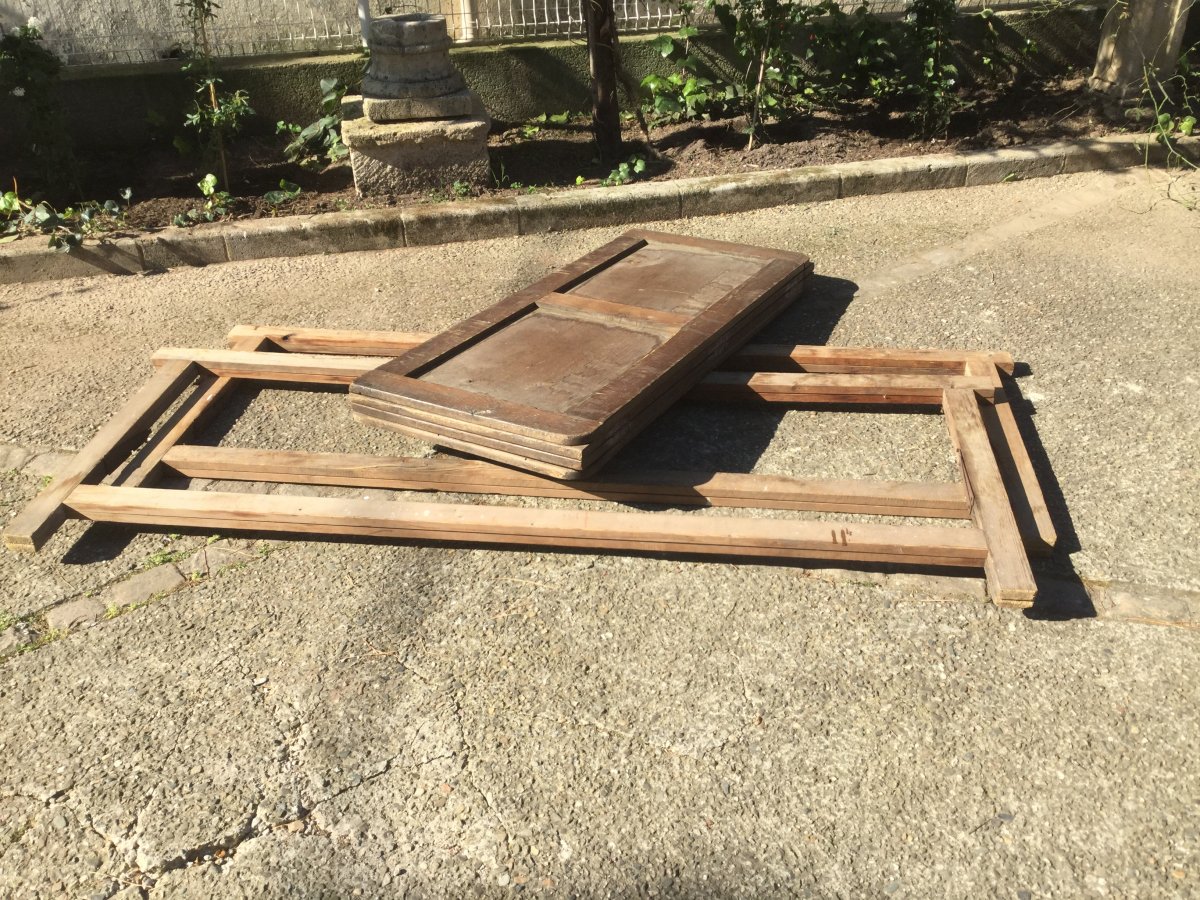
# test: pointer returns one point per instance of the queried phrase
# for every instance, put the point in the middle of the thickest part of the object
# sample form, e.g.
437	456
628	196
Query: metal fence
135	31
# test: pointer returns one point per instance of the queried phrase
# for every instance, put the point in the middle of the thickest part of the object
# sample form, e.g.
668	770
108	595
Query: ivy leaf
287	191
666	104
664	44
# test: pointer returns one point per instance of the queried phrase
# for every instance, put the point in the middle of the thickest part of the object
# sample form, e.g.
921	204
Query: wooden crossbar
780	387
663	533
999	493
469	476
753	357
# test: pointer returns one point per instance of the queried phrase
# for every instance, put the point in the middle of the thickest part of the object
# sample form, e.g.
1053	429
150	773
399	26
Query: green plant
1175	102
29	75
320	140
219	115
854	55
933	85
216	204
66	229
461	190
288	191
626	172
684	94
773	81
534	126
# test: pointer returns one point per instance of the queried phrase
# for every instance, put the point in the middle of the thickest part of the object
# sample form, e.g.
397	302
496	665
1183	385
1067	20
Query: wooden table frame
999	490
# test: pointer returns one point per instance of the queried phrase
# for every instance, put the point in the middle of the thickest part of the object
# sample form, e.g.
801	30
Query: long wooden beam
777	387
1025	495
124	431
753	357
673	534
1009	579
881	498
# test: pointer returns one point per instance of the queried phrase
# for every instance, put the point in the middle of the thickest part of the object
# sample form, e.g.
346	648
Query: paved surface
240	719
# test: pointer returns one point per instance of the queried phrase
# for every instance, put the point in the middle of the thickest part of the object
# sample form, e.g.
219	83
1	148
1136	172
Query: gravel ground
329	719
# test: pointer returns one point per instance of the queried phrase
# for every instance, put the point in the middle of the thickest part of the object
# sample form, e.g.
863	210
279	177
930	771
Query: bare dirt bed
532	157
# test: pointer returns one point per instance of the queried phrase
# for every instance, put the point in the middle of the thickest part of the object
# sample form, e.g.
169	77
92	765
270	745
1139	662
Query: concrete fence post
1137	34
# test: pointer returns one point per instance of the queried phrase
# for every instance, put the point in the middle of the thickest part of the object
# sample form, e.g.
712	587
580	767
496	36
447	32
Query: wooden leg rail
123	432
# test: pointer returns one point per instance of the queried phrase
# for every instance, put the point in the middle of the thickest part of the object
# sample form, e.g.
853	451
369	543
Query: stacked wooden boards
559	376
998	491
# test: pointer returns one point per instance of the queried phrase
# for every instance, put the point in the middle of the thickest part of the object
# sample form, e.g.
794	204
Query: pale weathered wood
756	357
982	366
124	431
799	387
1009	578
666	533
338	341
144	469
1025	496
302	368
779	387
860	360
883	498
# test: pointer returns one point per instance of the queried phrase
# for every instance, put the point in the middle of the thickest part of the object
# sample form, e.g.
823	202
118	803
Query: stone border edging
427	224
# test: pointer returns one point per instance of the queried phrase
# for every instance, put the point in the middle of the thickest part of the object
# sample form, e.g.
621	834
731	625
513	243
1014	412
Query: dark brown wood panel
584	354
525	363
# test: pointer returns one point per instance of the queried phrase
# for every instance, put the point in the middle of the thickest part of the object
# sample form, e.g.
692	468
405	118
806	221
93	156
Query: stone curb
428	224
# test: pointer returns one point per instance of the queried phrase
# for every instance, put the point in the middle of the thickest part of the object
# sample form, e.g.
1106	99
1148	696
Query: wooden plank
303	368
1025	496
781	387
754	357
330	340
797	387
883	498
1009	579
857	360
124	431
144	469
674	534
981	366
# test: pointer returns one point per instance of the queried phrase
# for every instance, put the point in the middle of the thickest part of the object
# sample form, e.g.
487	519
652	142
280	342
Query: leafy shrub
66	229
322	139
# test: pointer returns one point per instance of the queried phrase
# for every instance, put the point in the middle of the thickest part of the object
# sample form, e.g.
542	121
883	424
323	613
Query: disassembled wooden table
999	490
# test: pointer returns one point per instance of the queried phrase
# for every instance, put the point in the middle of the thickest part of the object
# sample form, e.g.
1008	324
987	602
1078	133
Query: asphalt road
333	719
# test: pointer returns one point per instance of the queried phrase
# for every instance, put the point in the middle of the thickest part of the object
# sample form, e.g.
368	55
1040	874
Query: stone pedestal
416	127
419	155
